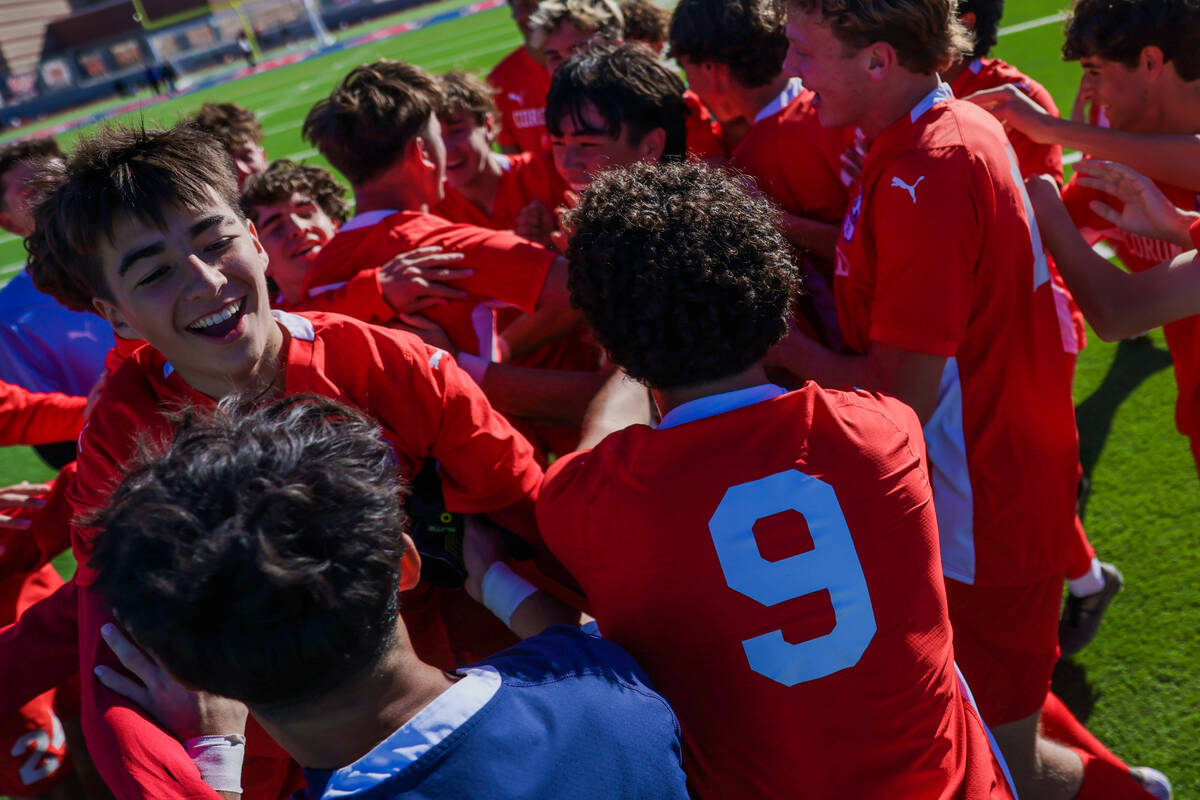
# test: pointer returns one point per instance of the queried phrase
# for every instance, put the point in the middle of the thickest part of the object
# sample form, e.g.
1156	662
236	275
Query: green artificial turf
1137	685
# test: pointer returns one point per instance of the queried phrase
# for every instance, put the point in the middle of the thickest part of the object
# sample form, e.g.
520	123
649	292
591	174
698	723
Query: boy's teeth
213	319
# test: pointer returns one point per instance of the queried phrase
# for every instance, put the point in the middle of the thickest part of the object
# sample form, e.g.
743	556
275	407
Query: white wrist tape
504	590
219	759
474	366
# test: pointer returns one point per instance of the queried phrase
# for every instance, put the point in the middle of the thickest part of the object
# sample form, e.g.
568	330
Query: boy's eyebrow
206	223
267	220
148	251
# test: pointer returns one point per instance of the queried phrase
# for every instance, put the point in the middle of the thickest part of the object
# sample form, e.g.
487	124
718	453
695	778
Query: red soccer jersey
771	560
526	177
794	160
1140	253
937	256
1033	159
705	139
360	297
509	270
521	86
427	406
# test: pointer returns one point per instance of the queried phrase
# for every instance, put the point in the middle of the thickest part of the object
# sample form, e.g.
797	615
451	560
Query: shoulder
507	66
1001	73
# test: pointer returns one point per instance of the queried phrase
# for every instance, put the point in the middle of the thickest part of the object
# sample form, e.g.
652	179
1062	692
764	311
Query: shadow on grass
1136	360
1071	685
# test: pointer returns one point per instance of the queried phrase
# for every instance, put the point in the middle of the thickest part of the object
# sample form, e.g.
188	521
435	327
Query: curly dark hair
36	150
230	124
645	22
284	178
258	554
463	93
746	35
118	172
366	122
627	86
987	23
1118	30
684	276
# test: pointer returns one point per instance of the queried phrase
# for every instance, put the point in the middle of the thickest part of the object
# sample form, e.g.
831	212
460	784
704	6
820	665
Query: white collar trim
940	93
789	93
449	711
299	327
976	65
714	404
366	219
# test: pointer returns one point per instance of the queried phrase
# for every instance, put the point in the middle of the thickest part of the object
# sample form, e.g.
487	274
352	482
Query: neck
390	191
293	291
669	399
952	74
1179	109
263	380
743	108
906	89
481	189
344	726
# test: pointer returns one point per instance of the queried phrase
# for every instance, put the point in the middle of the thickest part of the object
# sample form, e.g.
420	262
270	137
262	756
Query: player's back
774	567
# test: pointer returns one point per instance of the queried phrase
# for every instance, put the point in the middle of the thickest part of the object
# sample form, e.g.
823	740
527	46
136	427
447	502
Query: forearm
809	360
531	331
1170	158
545	395
539	611
811	235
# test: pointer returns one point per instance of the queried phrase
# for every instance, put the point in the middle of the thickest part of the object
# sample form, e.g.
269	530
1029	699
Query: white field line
1033	23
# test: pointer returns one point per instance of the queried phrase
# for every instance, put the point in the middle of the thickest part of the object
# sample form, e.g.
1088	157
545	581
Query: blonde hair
926	34
603	17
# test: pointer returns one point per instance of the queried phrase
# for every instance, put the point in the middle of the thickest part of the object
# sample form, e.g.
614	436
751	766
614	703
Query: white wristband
474	366
219	759
504	590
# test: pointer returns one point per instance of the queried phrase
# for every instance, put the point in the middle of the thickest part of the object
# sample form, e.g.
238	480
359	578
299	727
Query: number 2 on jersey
831	564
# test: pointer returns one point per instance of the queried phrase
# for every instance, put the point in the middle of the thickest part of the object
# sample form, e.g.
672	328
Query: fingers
1107	212
424	304
1099	184
123	685
418	321
14	523
25	489
434	289
439	258
129	655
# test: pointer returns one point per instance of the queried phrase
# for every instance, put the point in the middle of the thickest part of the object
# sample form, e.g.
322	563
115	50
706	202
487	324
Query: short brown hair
600	17
35	150
283	178
230	124
463	93
116	173
1118	30
365	124
645	22
926	34
746	35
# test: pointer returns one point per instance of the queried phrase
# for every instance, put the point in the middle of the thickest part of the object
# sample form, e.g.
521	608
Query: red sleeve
1077	199
35	418
1034	158
704	140
436	411
360	297
926	249
507	267
562	501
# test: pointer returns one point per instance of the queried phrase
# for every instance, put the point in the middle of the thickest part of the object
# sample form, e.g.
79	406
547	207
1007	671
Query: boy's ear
420	152
410	564
880	60
115	318
491	127
650	149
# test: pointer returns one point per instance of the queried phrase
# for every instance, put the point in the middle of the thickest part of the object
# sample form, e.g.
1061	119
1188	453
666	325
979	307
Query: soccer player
43	346
483	187
327	665
560	28
183	271
1093	584
800	522
238	131
945	301
521	81
297	210
1141	75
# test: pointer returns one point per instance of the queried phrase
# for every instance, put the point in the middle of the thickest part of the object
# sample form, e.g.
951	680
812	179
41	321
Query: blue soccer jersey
564	714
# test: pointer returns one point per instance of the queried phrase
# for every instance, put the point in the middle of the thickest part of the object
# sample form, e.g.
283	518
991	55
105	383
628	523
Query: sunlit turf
1138	685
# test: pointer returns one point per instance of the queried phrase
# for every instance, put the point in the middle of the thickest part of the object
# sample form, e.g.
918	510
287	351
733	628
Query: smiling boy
171	260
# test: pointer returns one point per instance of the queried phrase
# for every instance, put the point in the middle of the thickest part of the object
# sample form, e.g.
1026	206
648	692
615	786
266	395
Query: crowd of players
349	479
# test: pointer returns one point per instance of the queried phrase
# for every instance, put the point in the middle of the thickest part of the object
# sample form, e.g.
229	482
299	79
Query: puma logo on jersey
517	97
912	190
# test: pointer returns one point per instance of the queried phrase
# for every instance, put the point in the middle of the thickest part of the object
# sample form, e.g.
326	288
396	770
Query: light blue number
832	564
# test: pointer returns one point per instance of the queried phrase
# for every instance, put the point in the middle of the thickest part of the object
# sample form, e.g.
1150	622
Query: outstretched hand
1017	111
1145	209
183	713
413	281
23	495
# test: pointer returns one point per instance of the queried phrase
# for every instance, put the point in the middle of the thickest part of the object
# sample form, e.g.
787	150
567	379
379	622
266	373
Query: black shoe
1081	616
